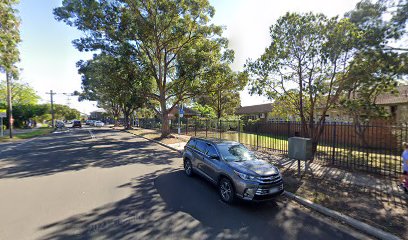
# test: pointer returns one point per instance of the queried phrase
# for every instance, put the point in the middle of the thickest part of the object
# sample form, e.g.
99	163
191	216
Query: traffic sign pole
3	114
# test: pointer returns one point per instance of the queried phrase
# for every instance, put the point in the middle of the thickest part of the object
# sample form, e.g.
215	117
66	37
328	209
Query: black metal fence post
195	127
288	129
186	126
334	126
239	131
219	127
206	128
257	135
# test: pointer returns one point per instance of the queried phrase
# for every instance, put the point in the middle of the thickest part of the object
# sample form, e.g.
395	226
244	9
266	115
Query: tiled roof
261	108
394	98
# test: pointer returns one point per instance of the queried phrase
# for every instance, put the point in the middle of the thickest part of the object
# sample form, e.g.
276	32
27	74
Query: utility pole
9	105
52	107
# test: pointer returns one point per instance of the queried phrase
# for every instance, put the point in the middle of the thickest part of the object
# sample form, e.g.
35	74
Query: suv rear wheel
226	190
188	167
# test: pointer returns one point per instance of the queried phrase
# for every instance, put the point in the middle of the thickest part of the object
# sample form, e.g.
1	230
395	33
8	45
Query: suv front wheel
188	167
226	190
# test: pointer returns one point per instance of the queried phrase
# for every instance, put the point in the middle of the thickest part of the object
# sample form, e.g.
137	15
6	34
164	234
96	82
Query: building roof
399	97
261	108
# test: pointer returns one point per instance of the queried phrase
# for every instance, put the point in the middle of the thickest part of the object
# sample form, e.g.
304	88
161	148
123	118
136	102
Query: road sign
3	113
181	112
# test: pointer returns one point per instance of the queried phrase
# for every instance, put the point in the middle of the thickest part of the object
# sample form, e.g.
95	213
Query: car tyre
188	167
226	190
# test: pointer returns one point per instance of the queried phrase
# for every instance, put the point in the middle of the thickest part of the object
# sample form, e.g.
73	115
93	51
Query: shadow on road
66	152
167	204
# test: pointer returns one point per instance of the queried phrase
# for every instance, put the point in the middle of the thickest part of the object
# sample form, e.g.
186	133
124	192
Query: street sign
181	112
3	113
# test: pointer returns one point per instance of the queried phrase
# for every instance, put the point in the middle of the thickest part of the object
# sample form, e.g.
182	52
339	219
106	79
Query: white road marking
92	135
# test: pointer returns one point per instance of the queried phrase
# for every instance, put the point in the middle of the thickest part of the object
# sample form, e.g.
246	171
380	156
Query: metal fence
376	149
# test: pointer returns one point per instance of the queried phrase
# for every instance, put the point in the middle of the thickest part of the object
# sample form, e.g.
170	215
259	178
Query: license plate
274	190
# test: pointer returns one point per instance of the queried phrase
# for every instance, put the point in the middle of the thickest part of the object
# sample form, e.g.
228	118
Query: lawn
384	161
31	134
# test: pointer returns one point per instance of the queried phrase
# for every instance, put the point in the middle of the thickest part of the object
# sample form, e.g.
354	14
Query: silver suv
233	168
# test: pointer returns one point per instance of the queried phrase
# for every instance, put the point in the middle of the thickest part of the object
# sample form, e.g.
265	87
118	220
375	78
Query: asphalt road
106	184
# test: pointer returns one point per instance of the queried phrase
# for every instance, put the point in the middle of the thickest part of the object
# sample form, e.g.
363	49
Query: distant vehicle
76	123
60	124
88	122
233	168
99	124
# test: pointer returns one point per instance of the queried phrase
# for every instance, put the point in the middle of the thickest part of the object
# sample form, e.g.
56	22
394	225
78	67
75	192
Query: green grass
385	161
32	134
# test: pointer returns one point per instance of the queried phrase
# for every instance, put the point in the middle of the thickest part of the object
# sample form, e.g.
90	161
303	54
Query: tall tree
115	82
221	88
377	66
9	36
309	54
22	93
9	54
171	39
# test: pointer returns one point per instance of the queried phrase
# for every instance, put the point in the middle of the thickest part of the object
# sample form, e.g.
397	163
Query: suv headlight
245	176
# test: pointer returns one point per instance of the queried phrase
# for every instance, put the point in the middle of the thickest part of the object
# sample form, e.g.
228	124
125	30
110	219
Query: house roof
261	108
394	98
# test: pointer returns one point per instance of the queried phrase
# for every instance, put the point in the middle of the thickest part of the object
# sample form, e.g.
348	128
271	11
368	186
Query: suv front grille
270	180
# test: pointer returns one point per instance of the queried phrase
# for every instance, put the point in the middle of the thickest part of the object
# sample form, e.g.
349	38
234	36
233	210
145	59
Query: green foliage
172	41
309	55
117	83
9	36
145	113
24	112
221	88
22	93
284	105
377	67
63	112
204	110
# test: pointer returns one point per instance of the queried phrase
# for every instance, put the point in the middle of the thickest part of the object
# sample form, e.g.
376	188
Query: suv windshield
235	153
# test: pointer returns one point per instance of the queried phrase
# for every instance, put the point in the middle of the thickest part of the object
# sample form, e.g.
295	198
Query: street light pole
9	105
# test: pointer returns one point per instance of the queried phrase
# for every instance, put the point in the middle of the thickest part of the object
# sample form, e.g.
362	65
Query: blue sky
48	58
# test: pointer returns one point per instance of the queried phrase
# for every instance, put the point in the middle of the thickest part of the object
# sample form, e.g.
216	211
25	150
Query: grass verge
27	135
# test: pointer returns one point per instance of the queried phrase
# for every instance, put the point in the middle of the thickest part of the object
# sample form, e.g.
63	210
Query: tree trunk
165	130
9	105
116	119
126	114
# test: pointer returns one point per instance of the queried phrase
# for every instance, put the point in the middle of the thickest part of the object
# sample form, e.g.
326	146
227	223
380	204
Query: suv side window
201	146
211	151
192	143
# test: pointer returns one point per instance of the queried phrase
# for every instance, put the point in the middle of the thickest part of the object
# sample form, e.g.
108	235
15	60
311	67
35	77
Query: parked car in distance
233	168
76	123
88	122
99	124
60	124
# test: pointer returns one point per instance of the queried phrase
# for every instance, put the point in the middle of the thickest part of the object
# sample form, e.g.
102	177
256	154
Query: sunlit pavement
100	183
